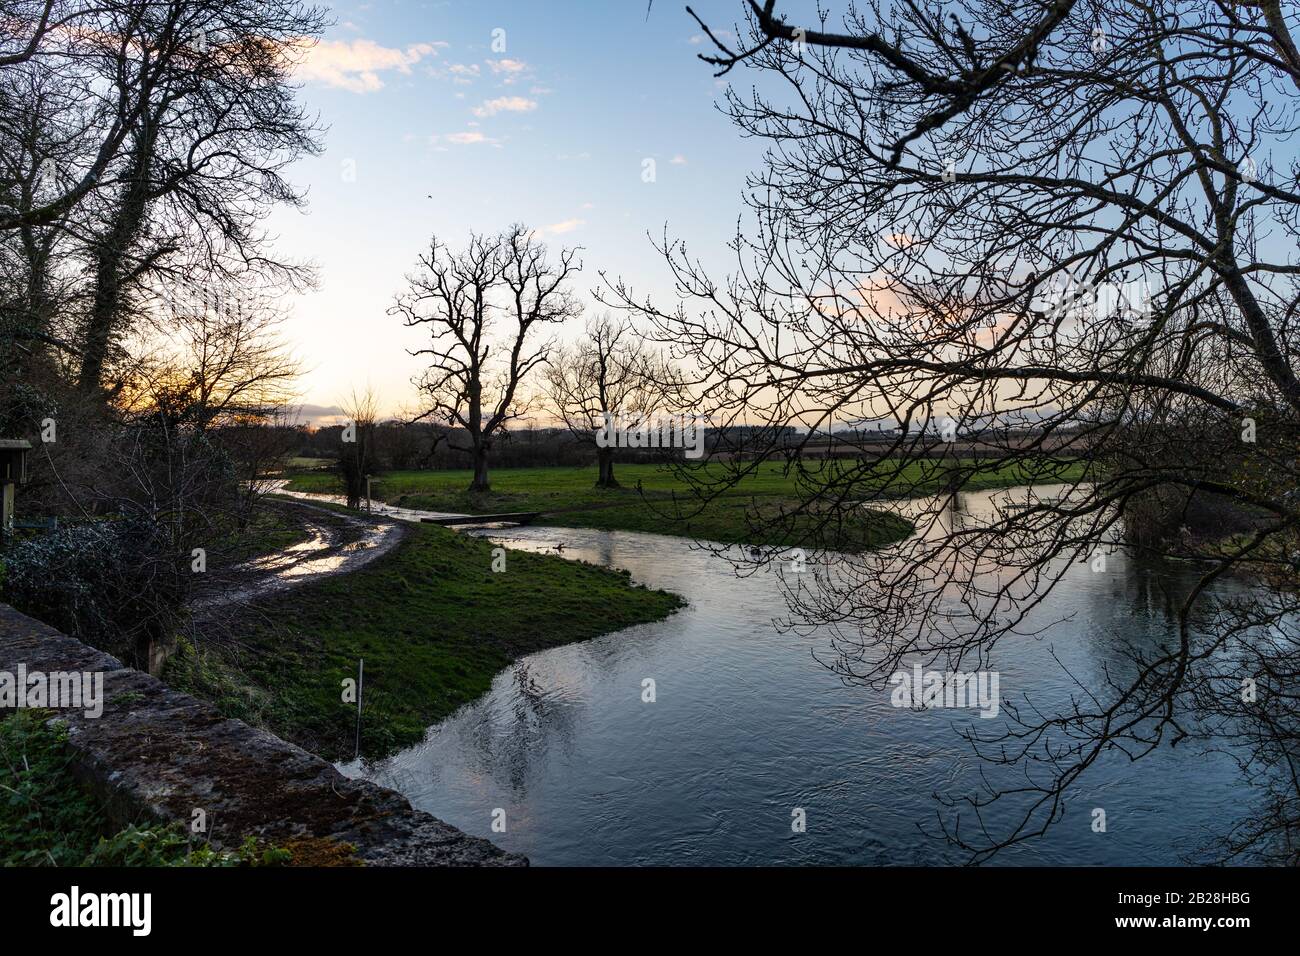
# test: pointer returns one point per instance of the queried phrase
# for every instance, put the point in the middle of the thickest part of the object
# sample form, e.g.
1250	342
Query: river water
747	726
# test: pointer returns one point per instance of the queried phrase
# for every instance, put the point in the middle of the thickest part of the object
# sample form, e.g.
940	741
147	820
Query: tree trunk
480	483
354	465
605	468
110	257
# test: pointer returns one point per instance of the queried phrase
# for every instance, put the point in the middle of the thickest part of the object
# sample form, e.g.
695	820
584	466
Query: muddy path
336	543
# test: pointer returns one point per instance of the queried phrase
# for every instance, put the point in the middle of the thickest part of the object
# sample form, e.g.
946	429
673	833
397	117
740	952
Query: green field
296	464
434	624
762	508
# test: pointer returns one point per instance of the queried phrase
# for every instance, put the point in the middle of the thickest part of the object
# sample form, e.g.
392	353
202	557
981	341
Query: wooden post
13	471
7	511
367	494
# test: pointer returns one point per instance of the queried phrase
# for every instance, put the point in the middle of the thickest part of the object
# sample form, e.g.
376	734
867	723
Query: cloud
509	71
560	228
678	160
464	73
355	65
900	240
467	138
505	104
317	415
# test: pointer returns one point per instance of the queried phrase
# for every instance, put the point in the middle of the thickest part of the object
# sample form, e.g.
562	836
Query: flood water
747	726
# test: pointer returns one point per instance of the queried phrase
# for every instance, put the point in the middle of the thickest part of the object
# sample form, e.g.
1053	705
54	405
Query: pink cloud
355	65
505	104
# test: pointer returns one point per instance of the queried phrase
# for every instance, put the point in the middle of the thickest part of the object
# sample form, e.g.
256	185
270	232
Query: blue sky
432	130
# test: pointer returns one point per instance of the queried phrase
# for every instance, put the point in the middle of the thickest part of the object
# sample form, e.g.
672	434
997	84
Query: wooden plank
518	517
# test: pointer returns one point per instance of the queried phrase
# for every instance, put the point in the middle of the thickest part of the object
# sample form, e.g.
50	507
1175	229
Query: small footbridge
513	517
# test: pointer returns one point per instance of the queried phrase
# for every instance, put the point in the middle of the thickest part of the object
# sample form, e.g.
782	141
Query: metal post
361	677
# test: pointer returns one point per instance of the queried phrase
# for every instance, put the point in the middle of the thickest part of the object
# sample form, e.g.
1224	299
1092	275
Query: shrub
108	583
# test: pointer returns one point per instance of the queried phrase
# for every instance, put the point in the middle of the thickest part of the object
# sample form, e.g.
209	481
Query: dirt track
338	544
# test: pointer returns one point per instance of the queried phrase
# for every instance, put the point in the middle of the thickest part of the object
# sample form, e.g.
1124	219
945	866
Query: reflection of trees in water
518	726
529	701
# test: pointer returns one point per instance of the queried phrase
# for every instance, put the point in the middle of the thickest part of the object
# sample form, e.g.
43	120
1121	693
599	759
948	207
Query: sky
459	115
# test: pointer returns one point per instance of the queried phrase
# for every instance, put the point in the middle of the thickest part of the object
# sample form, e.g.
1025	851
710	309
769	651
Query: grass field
655	499
434	624
307	464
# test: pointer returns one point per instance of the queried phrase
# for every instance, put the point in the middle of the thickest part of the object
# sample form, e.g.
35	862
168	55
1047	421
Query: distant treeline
402	446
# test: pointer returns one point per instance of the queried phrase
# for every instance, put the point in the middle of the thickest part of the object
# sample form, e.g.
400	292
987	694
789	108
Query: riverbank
763	508
769	520
434	621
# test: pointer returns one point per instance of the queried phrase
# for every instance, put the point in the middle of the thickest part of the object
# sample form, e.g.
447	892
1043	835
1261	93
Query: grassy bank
655	499
767	520
433	622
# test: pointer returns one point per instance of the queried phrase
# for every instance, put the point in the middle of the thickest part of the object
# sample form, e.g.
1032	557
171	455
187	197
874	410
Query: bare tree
478	369
141	146
225	355
400	444
23	25
1070	229
203	163
357	444
107	63
611	372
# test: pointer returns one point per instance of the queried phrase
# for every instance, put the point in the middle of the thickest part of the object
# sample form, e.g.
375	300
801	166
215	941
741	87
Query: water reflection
747	726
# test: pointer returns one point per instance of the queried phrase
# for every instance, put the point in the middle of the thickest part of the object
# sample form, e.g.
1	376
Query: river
747	727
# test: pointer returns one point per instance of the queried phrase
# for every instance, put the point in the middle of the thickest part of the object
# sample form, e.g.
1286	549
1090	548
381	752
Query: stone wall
159	755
